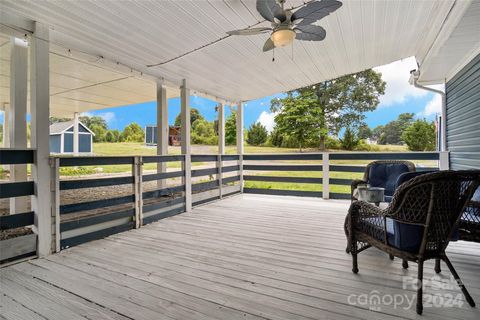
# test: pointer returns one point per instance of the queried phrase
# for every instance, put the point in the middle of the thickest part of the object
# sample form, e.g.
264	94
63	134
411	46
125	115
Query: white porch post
221	146
40	99
17	117
162	129
221	128
75	134
444	160
326	175
240	142
185	132
6	133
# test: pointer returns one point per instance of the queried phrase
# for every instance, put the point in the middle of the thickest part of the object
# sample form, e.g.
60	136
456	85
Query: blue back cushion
385	175
406	237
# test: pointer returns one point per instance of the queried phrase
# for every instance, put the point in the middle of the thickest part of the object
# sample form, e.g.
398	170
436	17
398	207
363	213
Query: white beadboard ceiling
135	33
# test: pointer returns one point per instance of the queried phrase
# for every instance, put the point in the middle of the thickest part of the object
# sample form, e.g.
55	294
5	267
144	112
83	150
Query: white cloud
396	75
109	117
267	119
434	106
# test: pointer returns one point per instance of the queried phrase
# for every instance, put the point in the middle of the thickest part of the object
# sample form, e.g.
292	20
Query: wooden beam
75	134
162	129
18	115
240	142
221	128
40	102
326	175
185	116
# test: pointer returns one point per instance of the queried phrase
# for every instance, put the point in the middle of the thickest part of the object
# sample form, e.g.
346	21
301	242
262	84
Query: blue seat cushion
385	175
403	236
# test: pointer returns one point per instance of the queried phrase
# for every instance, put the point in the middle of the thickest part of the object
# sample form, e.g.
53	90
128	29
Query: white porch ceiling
360	35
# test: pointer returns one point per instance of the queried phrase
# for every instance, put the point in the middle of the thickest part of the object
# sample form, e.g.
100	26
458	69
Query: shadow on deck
245	257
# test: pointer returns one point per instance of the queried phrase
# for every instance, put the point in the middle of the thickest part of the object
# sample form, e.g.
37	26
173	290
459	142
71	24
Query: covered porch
245	257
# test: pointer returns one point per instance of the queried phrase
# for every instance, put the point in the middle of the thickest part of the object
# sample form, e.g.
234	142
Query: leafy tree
377	132
420	136
257	134
315	111
112	136
94	121
99	132
194	116
364	132
392	132
132	133
58	119
349	140
203	132
231	129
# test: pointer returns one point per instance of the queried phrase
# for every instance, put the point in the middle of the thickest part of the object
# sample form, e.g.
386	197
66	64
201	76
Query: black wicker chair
383	173
419	222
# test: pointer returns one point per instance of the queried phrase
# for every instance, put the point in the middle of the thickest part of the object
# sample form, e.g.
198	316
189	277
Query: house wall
463	117
55	143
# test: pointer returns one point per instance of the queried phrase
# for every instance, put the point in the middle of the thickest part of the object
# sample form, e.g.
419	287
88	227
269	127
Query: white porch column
240	142
185	132
221	128
6	133
75	134
162	129
17	118
40	100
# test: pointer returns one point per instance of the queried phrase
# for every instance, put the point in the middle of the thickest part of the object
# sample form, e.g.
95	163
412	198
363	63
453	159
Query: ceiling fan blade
248	32
315	11
310	33
268	45
271	10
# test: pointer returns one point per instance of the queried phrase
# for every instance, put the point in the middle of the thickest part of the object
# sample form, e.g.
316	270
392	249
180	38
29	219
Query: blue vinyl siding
463	117
55	142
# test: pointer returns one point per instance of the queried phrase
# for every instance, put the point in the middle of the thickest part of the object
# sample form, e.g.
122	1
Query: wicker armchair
418	223
383	173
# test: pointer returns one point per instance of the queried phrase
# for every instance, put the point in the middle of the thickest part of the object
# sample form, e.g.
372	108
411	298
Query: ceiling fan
288	25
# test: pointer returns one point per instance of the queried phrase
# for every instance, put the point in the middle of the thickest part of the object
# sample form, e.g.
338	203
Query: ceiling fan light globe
283	37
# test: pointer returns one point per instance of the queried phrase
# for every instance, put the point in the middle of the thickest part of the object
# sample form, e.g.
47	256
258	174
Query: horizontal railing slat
230	179
162	175
94	161
170	158
343	182
88	221
230	157
345	168
202	186
342	196
96	204
163	204
384	156
12	156
16	220
290	156
73	241
282	167
204	172
230	168
93	183
282	179
16	189
297	193
204	157
163	192
164	214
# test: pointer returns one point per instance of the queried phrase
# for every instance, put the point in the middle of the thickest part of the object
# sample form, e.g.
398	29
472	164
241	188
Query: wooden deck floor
246	257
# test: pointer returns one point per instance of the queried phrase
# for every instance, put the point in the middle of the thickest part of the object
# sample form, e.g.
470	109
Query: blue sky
399	97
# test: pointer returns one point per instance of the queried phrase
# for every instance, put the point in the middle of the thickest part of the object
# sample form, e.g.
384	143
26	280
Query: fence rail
26	244
144	197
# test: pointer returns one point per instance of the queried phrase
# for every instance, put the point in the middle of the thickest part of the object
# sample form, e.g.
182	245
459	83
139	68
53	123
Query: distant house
61	138
173	135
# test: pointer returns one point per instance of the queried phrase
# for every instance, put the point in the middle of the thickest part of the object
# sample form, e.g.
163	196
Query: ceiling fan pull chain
273	51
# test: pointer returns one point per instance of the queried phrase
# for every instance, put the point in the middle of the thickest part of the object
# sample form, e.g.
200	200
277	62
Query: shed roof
61	127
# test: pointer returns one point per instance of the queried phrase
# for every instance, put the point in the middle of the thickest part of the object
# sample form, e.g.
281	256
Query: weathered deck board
245	257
